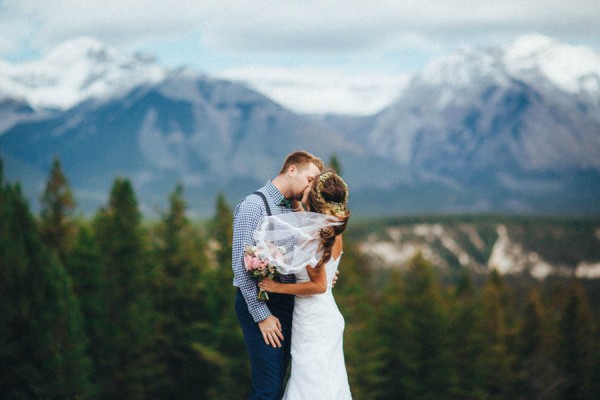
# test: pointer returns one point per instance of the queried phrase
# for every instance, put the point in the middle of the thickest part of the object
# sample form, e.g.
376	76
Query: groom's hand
313	274
335	278
271	331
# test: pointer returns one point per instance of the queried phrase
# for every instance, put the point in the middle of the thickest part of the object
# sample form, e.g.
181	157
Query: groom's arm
246	218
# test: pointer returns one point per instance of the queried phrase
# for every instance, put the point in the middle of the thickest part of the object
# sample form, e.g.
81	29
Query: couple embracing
305	209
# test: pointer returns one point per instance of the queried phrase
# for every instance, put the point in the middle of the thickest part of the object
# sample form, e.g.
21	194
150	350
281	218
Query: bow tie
285	203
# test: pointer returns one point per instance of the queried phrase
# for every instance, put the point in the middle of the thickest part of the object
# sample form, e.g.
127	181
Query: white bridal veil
291	241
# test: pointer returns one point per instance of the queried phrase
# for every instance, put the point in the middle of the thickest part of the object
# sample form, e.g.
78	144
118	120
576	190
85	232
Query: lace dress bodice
330	267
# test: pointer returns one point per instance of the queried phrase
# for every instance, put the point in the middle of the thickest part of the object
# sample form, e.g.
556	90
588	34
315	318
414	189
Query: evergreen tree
128	367
84	265
430	372
576	345
43	346
499	362
334	163
73	379
468	344
595	372
222	232
179	296
414	332
356	299
394	338
227	343
56	225
539	375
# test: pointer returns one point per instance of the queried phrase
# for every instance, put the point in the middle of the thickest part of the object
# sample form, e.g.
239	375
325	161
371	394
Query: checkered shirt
247	217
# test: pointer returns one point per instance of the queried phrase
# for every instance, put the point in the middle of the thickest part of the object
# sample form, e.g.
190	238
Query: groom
267	326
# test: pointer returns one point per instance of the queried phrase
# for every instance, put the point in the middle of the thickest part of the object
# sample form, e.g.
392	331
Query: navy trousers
268	364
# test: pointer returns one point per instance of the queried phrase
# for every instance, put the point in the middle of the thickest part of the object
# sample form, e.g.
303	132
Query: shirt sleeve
246	218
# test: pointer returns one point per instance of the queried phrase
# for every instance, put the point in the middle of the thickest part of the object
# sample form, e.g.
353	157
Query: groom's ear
292	169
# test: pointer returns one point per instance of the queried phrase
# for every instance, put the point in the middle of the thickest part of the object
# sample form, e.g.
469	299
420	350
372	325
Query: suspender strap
261	194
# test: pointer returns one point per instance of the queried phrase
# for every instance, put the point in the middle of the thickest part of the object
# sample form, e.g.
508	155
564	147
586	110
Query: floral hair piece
336	209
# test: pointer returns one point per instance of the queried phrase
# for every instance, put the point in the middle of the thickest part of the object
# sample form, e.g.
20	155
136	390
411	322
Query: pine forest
120	306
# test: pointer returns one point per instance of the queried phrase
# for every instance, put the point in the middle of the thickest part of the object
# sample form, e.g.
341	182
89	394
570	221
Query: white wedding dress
318	367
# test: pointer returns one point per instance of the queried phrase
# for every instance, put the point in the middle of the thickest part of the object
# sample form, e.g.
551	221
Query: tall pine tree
393	335
56	218
539	375
43	346
499	360
431	370
356	298
227	345
576	346
468	343
334	163
84	265
128	367
179	295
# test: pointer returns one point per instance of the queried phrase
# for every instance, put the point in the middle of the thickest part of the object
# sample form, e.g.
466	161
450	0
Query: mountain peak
81	47
79	69
530	45
530	58
573	69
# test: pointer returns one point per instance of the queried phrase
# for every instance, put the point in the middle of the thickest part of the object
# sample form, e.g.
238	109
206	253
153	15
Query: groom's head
297	173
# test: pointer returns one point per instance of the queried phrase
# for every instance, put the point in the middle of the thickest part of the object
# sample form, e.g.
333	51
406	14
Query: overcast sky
305	41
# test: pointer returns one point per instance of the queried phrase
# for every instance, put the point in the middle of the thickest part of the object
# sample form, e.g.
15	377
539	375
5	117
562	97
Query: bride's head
328	195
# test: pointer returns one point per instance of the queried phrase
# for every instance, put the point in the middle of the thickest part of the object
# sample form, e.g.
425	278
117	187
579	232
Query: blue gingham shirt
248	215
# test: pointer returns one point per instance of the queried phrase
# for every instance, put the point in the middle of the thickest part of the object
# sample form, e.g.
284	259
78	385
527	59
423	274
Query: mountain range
512	129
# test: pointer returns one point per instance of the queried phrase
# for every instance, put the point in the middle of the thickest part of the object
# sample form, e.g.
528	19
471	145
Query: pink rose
247	262
262	265
250	262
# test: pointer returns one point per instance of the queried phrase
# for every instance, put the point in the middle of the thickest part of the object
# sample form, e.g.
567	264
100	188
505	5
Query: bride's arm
318	278
317	284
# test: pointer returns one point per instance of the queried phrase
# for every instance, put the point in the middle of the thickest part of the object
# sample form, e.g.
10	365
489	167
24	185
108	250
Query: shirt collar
273	192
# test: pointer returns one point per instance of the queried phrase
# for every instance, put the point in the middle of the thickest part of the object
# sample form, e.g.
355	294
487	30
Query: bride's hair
329	196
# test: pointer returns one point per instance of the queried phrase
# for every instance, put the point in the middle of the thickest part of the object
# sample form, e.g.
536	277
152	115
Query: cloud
328	25
300	26
7	46
322	90
112	21
357	40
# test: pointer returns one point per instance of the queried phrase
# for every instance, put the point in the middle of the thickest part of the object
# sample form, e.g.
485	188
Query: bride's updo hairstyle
329	196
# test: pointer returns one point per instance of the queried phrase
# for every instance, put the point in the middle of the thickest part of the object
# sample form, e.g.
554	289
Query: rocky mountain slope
513	129
532	247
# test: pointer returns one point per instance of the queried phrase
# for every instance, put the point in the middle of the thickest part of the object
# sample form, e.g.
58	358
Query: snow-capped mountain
209	134
532	58
521	107
78	70
573	69
512	129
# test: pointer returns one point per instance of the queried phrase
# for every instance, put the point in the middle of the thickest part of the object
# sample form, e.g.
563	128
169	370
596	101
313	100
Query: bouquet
261	263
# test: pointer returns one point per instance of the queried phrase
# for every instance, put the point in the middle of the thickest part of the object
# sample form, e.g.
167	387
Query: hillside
519	246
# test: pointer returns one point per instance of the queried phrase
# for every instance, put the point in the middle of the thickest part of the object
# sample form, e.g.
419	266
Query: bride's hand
269	285
297	205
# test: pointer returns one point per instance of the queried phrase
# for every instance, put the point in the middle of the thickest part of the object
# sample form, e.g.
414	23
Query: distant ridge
513	129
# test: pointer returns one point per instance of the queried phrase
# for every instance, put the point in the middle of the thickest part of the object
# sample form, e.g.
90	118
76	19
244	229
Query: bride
313	238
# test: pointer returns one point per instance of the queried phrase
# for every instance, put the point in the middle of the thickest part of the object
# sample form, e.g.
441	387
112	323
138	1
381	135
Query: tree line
117	307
